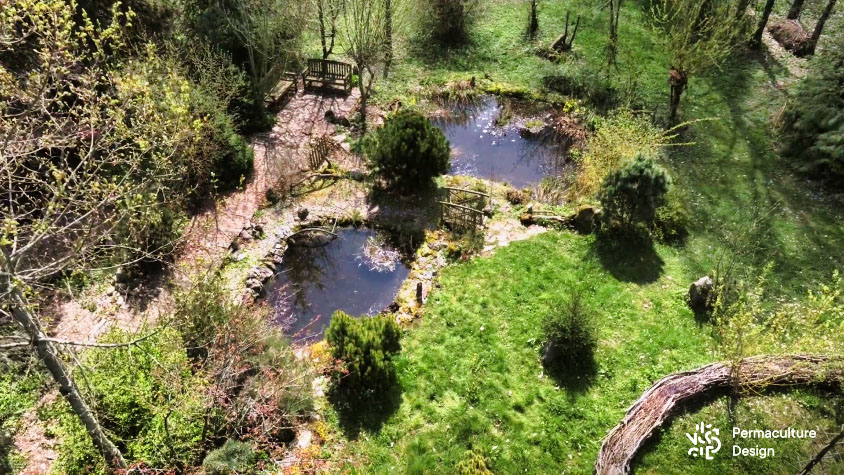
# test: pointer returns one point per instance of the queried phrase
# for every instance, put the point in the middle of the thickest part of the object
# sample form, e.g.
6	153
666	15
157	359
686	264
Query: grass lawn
470	372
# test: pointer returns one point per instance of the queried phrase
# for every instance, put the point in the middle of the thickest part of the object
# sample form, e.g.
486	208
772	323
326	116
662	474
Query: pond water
359	273
482	149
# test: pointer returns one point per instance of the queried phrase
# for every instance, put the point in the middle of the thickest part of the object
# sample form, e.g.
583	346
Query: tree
813	123
816	33
795	9
632	194
408	150
696	36
448	21
366	347
533	21
327	13
363	22
756	39
612	44
87	162
388	36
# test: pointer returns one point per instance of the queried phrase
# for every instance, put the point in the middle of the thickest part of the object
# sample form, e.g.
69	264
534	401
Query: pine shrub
365	347
409	150
570	332
632	194
814	122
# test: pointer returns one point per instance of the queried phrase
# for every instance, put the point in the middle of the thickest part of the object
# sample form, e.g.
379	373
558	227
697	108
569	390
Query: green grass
471	375
456	379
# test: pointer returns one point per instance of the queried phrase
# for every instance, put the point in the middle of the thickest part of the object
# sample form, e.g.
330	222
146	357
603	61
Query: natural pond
481	148
358	272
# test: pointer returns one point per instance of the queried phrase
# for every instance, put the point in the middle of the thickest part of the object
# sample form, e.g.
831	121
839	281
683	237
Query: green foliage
145	395
814	122
447	21
570	331
366	347
618	137
408	151
473	464
633	194
20	384
233	457
672	220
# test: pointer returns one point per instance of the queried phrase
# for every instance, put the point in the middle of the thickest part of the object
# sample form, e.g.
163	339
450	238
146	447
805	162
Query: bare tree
612	44
388	36
270	31
363	22
756	39
796	8
816	33
75	172
327	13
695	40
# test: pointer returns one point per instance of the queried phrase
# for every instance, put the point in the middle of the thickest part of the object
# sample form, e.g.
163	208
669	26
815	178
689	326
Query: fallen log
658	403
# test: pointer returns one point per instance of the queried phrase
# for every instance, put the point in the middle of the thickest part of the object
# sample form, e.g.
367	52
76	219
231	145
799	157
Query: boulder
586	219
259	273
332	118
699	294
530	128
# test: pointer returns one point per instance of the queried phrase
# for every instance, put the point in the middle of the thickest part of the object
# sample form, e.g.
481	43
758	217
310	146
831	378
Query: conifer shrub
570	333
233	457
365	348
408	151
813	122
631	195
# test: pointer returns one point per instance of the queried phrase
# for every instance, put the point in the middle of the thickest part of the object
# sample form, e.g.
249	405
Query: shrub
515	197
408	151
365	346
473	463
631	195
813	122
146	397
448	21
570	333
672	220
233	457
620	136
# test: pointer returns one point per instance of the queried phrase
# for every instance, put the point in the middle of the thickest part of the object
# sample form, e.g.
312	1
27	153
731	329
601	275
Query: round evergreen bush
366	347
408	151
632	194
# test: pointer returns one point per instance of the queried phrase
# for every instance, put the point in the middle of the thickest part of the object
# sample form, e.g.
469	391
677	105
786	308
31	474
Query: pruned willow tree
696	36
364	31
84	166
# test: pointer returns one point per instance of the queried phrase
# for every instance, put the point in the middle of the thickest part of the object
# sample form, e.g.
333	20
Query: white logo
704	441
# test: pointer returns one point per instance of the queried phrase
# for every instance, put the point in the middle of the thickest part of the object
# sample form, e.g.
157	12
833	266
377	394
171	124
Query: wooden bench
320	151
283	91
328	72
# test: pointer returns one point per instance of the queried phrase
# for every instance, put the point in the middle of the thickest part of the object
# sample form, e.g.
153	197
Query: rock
259	273
245	235
488	211
302	213
110	290
239	257
120	300
254	285
526	219
700	293
121	276
550	355
586	219
303	439
332	118
530	128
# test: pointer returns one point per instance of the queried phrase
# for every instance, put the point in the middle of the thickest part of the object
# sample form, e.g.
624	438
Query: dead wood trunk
677	80
61	375
655	407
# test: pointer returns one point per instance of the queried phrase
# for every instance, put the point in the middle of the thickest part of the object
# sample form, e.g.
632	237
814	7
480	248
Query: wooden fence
462	210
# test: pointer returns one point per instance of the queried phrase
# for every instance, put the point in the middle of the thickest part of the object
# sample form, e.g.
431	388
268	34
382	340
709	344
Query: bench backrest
325	67
320	150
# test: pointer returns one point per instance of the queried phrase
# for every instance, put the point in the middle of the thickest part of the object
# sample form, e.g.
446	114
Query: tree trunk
741	10
756	40
794	11
67	387
363	94
816	33
678	81
533	22
388	36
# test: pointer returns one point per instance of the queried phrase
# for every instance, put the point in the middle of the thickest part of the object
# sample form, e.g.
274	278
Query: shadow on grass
368	413
575	374
629	257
